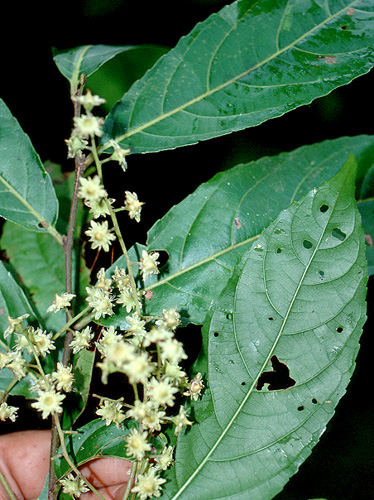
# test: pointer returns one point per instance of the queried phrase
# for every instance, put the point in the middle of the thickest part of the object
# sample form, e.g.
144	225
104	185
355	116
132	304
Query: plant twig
68	243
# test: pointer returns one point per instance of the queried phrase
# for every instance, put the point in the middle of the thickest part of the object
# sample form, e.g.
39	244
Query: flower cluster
37	343
150	356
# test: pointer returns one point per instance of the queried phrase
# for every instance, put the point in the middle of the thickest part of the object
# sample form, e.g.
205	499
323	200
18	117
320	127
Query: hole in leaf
271	319
279	250
216	334
277	379
243	383
314	401
323	208
163	258
300	408
307	244
321	273
338	233
339	329
258	248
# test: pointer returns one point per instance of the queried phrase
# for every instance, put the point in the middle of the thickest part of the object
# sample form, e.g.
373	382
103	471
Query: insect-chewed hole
323	208
277	379
271	318
300	408
307	244
279	250
216	334
339	329
338	233
243	383
314	401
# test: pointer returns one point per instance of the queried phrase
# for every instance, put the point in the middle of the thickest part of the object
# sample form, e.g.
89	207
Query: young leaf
279	350
27	196
244	65
207	233
86	60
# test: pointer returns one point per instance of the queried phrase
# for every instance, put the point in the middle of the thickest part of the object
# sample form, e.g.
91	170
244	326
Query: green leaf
366	209
246	64
13	303
93	440
86	59
290	319
83	363
40	263
27	196
116	76
207	233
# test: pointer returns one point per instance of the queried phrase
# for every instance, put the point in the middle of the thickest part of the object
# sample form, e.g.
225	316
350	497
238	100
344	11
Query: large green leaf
296	304
207	233
27	196
85	59
248	63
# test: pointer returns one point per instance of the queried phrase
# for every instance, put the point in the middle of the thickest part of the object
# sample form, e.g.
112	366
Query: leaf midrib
267	359
230	81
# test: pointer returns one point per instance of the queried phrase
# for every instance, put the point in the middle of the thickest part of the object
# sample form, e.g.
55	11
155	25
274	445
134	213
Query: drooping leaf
279	350
27	196
250	62
86	59
207	233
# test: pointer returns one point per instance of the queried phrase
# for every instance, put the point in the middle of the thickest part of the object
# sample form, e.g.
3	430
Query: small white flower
161	392
49	402
64	377
91	189
61	301
81	339
196	386
149	263
148	485
164	460
73	485
89	101
111	411
89	125
100	236
133	205
137	444
15	325
119	154
7	411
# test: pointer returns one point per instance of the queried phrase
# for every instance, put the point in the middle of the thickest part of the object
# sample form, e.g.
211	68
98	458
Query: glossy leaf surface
27	196
246	64
279	350
207	233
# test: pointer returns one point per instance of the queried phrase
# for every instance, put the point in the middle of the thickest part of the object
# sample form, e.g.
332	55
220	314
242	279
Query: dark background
342	465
